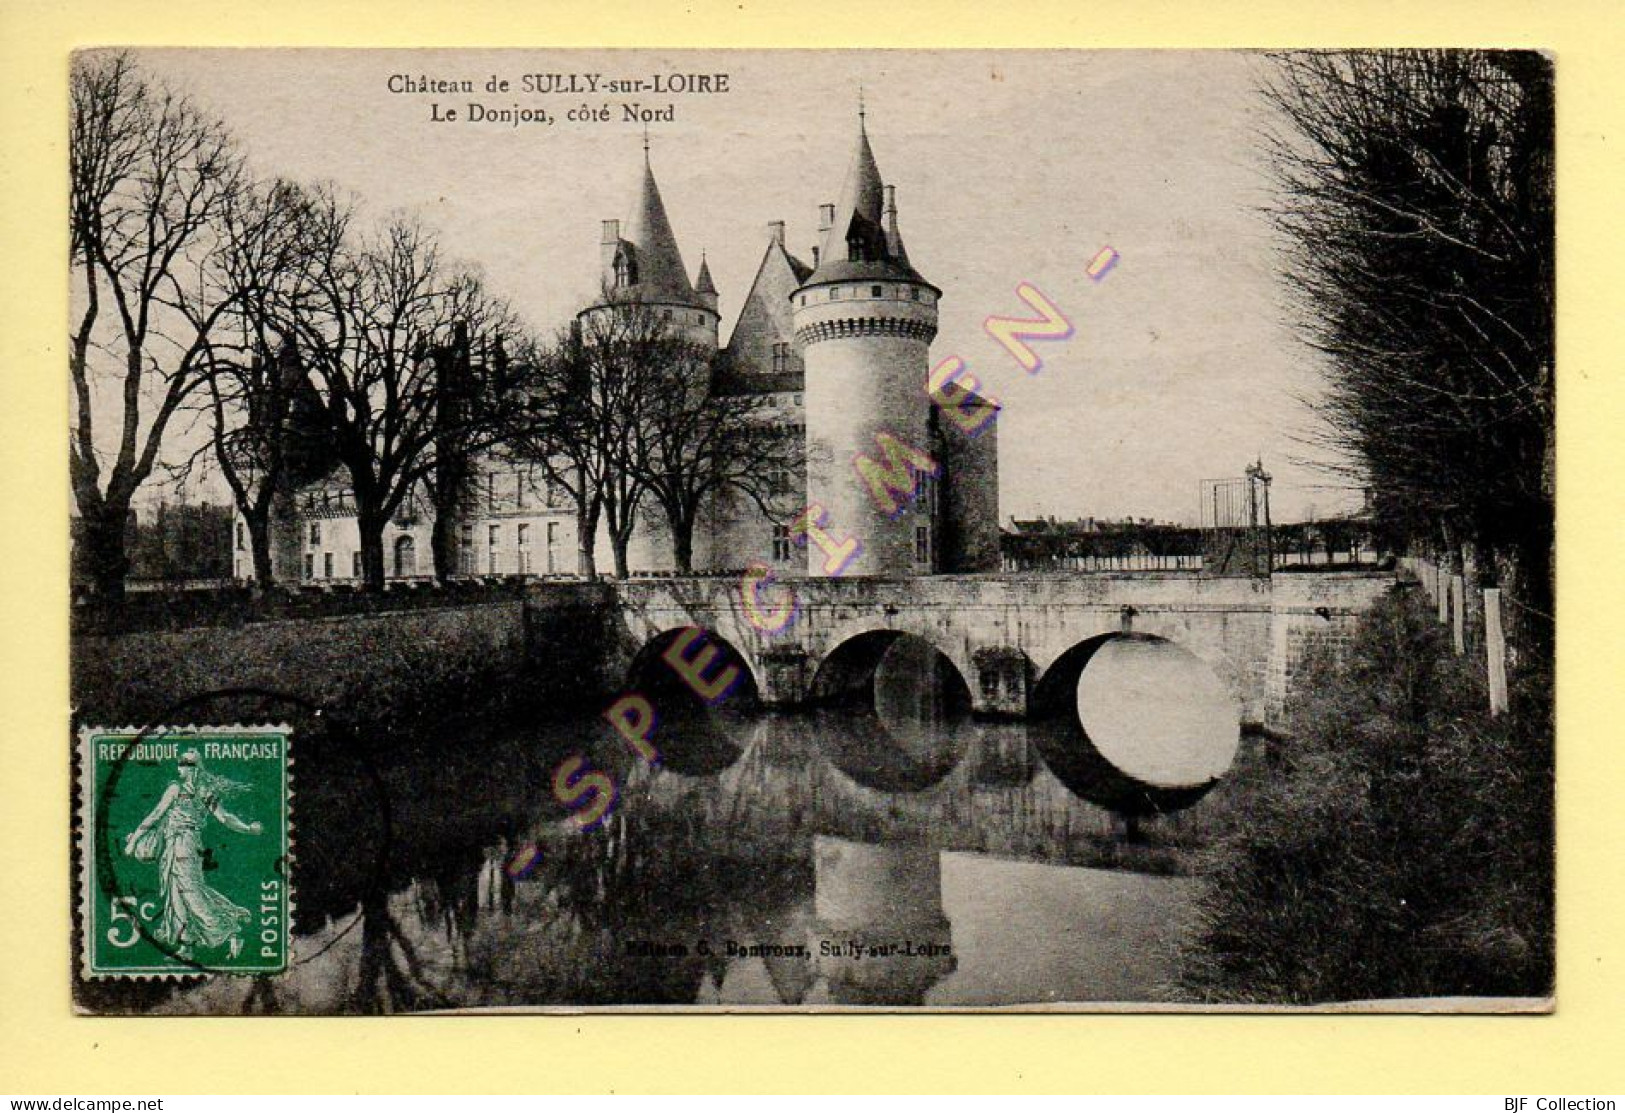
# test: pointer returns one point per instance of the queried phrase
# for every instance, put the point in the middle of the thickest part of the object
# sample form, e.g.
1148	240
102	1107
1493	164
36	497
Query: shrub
1404	845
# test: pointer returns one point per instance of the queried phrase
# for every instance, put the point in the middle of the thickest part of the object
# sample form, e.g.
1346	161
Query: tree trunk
259	543
105	559
370	525
443	540
618	540
587	539
682	542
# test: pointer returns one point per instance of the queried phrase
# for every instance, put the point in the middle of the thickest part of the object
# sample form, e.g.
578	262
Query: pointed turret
860	237
704	287
642	260
641	265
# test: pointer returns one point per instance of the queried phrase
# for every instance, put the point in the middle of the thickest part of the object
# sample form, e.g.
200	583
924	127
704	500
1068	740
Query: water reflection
884	849
993	882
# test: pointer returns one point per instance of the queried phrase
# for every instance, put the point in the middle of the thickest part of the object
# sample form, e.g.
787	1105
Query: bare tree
693	447
622	411
1417	201
385	325
587	398
553	431
149	174
268	424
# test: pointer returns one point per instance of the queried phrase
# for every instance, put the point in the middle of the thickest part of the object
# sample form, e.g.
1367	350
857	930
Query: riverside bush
1401	843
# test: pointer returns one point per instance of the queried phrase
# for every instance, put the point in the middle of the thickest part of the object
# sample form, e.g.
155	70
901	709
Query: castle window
465	556
522	543
315	533
519	489
781	358
798	399
491	492
914	292
875	291
327	566
922	544
310	566
666	315
241	531
493	547
781	543
355	565
834	293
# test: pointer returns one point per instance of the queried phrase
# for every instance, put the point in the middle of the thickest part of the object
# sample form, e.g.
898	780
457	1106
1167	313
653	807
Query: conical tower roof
703	283
661	276
860	219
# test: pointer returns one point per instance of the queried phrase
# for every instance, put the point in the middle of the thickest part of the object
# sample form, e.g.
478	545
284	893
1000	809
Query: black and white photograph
811	530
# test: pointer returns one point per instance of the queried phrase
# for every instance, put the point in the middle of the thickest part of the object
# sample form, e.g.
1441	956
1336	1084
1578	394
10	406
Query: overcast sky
1009	167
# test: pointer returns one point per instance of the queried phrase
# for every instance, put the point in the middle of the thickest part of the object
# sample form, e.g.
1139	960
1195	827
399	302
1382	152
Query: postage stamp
186	850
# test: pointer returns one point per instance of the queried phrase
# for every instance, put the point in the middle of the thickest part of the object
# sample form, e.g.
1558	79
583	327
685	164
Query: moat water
888	852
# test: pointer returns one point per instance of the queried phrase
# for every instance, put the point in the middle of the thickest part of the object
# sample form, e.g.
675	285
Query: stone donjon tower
864	321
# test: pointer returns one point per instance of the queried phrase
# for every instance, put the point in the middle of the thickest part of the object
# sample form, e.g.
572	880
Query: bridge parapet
1002	631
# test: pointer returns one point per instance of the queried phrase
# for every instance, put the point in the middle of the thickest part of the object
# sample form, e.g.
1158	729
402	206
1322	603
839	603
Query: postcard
811	530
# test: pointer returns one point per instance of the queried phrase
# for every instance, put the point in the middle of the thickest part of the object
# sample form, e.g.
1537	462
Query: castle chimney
608	243
891	210
826	217
775	231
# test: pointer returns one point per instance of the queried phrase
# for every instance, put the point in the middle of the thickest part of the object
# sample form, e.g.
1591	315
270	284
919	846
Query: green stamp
185	845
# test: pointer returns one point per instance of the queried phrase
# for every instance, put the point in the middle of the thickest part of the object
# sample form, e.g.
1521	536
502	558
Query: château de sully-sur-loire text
514	113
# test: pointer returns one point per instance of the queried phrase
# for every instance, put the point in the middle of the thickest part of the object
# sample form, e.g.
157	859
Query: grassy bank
1403	846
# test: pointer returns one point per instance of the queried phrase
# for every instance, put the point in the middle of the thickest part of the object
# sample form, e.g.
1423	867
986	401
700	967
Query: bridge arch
1153	729
866	634
904	708
695	735
643	664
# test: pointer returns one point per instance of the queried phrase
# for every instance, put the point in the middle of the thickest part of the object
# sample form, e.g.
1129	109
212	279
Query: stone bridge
1005	631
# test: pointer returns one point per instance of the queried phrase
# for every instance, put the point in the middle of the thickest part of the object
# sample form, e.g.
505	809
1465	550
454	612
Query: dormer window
626	268
781	358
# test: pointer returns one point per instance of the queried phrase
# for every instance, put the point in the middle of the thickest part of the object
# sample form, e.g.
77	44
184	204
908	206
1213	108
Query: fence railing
1124	562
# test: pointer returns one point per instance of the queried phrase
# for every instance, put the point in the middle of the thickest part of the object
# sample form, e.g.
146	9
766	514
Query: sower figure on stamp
194	915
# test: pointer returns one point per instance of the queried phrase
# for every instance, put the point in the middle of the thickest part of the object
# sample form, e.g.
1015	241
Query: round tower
864	321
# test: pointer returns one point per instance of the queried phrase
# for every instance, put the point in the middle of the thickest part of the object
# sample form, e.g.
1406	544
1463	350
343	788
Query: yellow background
45	1049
